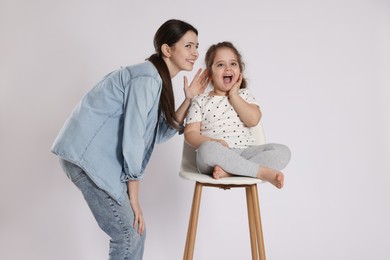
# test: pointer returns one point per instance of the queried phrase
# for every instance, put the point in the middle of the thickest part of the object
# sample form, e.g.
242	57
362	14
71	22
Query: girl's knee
208	147
206	155
287	152
284	153
281	148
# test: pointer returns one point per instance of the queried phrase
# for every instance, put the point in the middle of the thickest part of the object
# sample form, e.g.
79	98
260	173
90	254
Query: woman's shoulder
144	69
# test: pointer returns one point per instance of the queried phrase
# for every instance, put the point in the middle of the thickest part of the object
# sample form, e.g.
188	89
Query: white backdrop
320	70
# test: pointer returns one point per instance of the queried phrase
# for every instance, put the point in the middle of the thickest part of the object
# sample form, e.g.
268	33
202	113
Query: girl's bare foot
220	173
274	177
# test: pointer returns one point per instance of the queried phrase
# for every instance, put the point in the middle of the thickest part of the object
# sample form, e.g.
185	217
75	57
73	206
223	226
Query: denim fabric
112	132
114	219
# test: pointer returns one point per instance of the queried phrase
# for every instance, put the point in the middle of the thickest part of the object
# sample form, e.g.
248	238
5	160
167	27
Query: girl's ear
166	50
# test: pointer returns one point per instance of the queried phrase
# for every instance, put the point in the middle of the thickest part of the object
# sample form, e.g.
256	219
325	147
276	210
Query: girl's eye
219	65
234	64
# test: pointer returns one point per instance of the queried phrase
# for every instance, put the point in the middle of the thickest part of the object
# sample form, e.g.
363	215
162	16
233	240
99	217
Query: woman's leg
114	219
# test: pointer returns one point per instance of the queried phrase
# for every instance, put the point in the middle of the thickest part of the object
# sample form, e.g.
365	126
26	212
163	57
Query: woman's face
183	53
225	71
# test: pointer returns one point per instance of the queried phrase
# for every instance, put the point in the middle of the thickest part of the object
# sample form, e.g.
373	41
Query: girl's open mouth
227	78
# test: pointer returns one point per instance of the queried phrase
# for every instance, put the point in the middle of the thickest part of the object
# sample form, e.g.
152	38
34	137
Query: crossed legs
263	161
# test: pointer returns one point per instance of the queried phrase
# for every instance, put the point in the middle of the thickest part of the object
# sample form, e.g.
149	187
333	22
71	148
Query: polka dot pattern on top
219	119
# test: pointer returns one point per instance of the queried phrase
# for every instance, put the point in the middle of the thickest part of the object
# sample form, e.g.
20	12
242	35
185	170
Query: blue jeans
114	219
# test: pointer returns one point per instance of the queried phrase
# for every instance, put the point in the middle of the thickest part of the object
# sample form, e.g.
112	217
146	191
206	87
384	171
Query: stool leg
252	223
192	225
259	230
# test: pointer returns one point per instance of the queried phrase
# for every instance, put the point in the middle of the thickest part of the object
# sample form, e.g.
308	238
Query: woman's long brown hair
168	33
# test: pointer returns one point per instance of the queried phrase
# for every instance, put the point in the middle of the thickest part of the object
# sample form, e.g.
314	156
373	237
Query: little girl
218	124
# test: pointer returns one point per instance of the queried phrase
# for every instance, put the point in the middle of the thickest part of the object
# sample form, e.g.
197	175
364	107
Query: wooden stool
189	171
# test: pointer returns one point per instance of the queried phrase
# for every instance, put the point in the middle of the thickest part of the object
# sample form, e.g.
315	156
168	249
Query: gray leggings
244	162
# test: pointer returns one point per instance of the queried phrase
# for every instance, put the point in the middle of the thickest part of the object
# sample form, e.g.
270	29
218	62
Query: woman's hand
236	86
133	190
198	84
139	220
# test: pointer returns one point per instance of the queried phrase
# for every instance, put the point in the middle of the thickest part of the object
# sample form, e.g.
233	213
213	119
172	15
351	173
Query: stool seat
207	179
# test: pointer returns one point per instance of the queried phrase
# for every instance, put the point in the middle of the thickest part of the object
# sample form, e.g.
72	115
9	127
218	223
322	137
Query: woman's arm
139	222
181	112
197	86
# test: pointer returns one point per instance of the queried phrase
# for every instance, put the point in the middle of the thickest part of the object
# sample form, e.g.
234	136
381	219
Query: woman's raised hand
198	84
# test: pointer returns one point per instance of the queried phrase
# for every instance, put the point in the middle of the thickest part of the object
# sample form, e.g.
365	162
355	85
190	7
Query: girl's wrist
232	94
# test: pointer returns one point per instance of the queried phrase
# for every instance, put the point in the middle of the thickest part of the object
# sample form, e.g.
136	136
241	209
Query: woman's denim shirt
112	131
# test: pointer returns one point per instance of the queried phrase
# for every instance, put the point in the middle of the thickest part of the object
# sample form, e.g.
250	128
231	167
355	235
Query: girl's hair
168	33
212	51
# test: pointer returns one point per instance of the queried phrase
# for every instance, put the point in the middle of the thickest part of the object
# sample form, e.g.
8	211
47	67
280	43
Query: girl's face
225	71
183	54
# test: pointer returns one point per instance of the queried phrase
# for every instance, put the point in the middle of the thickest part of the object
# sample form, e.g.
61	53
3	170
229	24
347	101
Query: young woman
107	141
218	124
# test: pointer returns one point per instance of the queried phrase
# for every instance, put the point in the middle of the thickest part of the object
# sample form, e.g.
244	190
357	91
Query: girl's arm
193	137
250	114
197	86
